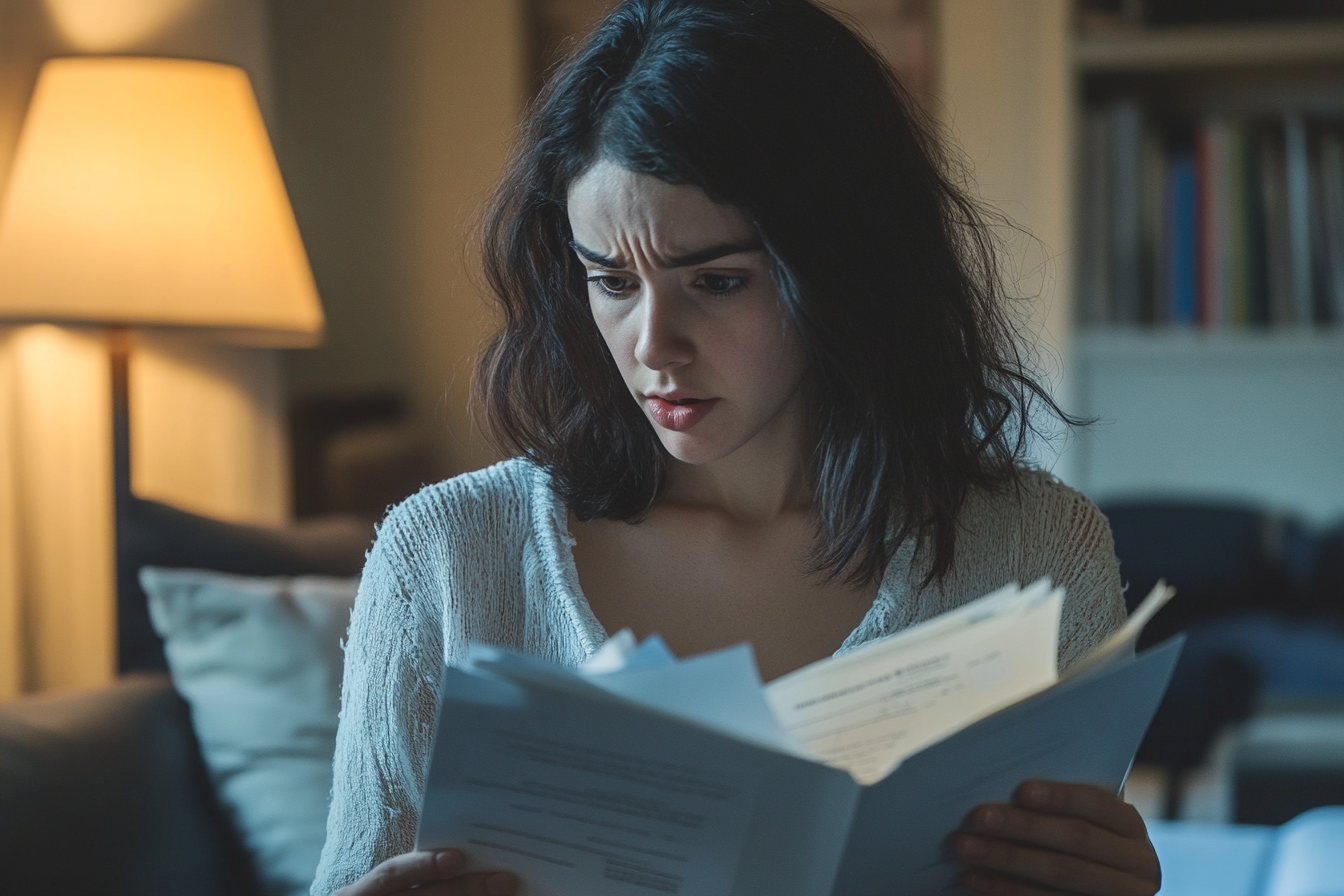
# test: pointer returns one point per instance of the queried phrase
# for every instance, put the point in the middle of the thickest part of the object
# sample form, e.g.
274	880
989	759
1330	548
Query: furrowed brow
700	256
712	253
594	257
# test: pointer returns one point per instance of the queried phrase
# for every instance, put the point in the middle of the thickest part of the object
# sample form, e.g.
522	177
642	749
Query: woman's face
681	291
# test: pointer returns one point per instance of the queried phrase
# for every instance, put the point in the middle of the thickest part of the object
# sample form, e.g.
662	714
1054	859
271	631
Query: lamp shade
145	192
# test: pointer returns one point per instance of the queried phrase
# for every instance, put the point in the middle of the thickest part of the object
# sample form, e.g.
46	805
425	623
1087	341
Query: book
1182	255
1332	198
1278	254
1298	181
1127	216
641	773
1094	267
1236	230
1216	211
1255	236
1153	304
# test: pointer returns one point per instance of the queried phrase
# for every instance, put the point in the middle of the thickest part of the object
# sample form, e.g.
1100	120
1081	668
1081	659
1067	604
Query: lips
678	414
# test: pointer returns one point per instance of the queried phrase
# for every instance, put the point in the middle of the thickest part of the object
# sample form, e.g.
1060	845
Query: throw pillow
153	534
260	661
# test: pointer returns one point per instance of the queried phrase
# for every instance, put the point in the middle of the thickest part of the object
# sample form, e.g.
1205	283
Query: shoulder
497	497
486	514
495	488
1035	498
1038	526
1035	514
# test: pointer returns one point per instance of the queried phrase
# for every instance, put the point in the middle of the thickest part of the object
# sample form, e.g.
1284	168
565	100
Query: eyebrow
690	259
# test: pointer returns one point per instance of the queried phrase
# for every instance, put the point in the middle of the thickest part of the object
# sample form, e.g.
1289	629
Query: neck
758	483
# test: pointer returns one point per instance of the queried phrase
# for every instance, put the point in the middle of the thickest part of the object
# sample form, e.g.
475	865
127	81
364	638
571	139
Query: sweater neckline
557	550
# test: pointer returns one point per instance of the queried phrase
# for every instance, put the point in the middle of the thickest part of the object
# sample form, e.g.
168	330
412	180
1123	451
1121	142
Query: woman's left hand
1058	838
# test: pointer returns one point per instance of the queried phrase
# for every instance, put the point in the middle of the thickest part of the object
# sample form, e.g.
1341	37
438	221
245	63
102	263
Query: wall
897	27
394	122
1002	82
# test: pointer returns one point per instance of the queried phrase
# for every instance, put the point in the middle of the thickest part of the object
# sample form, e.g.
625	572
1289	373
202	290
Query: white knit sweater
487	557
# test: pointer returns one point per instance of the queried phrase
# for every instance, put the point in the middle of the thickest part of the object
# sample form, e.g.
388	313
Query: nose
664	330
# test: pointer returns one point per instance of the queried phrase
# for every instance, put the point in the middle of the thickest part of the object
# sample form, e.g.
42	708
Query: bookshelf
1224	398
1212	175
1186	48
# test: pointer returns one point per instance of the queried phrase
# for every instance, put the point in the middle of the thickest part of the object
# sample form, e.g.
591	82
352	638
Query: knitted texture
487	557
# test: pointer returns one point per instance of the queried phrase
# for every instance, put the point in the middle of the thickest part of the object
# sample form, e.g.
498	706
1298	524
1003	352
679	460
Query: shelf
1240	346
1208	47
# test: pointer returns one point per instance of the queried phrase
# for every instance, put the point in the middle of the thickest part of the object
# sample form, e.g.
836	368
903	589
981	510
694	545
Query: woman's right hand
436	872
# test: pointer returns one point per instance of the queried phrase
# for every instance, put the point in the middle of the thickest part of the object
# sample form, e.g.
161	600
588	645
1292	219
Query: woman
757	368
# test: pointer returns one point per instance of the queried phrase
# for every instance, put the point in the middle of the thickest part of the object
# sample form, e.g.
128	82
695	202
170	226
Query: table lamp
145	193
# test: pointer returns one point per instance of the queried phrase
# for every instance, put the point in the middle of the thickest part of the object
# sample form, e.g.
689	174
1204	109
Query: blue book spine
1181	250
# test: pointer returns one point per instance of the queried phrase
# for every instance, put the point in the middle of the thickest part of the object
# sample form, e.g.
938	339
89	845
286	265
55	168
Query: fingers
994	885
1062	834
1002	867
430	873
405	871
483	883
1086	801
1058	838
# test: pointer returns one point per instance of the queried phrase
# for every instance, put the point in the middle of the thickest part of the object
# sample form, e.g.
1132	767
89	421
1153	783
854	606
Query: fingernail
974	847
449	860
500	885
994	819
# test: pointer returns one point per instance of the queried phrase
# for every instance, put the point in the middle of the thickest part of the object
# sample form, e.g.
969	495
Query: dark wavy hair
916	390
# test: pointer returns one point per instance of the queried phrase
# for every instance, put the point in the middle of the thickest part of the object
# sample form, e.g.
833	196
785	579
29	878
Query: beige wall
1003	90
1003	85
395	119
466	77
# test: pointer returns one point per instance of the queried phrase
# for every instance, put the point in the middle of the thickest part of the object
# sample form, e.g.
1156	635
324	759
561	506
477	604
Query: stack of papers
642	774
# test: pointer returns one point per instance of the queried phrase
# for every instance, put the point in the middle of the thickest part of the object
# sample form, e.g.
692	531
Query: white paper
865	711
720	689
621	652
584	796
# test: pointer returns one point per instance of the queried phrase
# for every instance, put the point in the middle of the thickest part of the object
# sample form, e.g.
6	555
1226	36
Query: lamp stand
119	340
119	352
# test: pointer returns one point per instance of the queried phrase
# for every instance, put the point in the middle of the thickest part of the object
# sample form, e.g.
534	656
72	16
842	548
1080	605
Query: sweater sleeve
393	659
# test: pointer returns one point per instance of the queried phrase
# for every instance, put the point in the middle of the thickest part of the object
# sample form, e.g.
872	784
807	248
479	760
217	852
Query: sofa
106	792
141	787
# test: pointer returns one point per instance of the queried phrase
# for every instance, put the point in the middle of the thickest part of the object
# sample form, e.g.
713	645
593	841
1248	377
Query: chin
688	449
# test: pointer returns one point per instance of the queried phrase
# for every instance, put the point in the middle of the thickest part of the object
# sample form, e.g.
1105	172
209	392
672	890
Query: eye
721	284
610	286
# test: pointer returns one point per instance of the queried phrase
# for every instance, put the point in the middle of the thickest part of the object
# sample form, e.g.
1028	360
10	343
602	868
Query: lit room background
390	122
